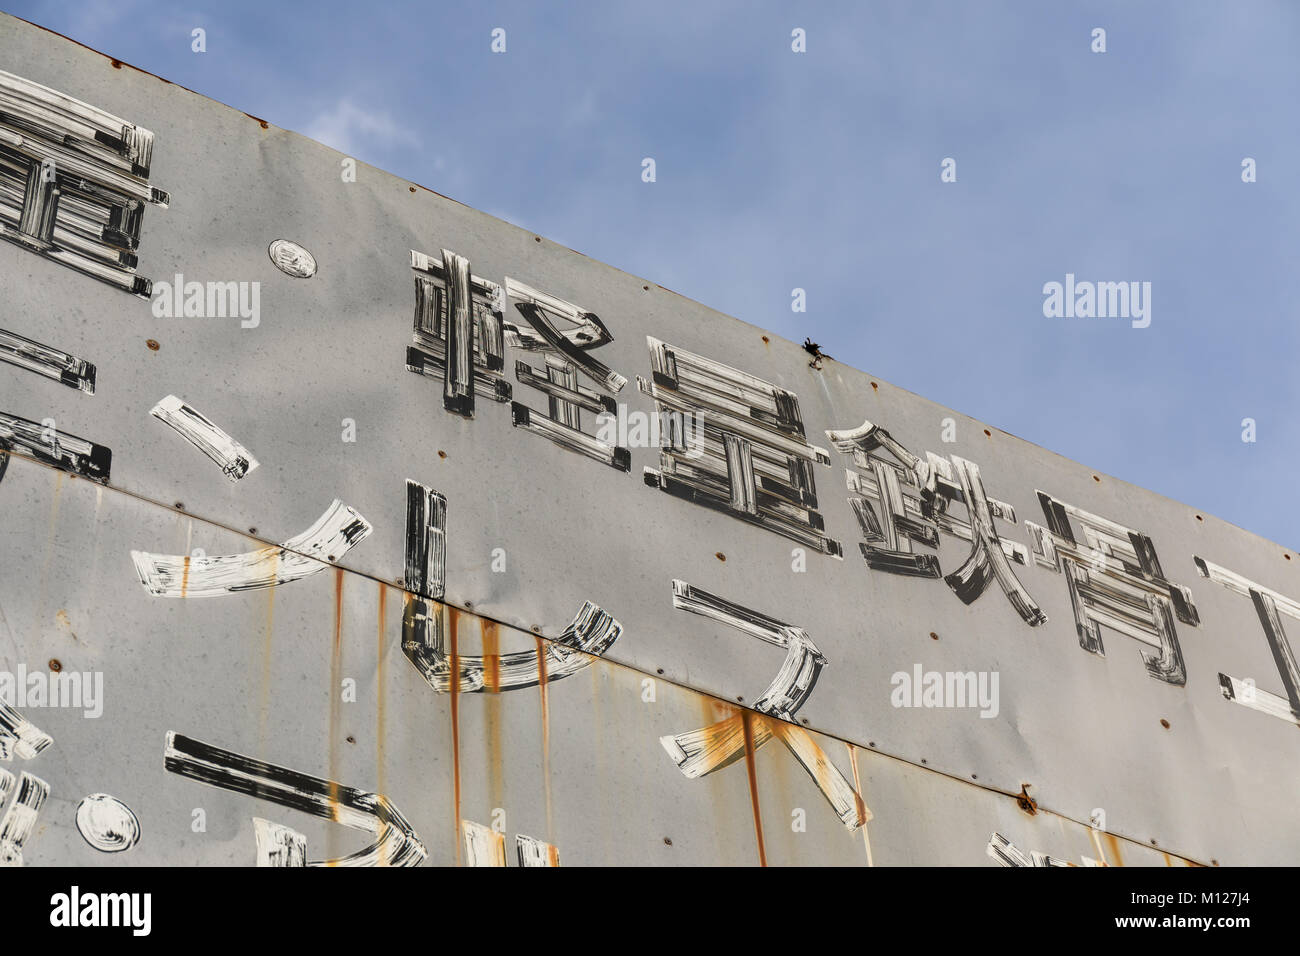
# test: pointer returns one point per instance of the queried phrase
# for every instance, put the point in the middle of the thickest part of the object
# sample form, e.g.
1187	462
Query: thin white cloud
349	128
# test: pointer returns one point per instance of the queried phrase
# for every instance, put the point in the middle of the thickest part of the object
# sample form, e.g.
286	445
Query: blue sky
821	170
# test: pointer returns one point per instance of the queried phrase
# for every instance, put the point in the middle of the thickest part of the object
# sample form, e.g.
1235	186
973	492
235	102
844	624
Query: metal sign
506	547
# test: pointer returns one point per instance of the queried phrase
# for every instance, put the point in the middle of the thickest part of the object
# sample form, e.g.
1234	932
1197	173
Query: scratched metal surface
1083	730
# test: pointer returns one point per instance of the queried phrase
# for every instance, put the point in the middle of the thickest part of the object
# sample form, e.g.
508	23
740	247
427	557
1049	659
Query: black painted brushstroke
63	451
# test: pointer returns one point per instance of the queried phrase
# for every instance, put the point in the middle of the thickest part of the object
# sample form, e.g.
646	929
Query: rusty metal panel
399	423
579	766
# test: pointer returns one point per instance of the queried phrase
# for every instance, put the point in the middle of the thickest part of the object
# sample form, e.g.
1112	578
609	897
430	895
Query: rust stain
784	841
552	855
542	682
65	622
822	770
1168	862
492	678
1113	843
453	622
185	578
1096	845
857	790
1025	801
336	672
746	719
379	678
859	803
491	634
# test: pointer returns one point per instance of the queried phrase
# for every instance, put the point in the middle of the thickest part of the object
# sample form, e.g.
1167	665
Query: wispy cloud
349	129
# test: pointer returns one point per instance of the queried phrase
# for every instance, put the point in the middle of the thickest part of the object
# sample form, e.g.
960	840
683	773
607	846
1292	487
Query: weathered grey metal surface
580	767
251	672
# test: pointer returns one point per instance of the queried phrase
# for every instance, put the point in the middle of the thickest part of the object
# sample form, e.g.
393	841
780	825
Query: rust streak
1113	843
453	621
745	721
185	578
822	770
1096	845
489	630
546	734
857	791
